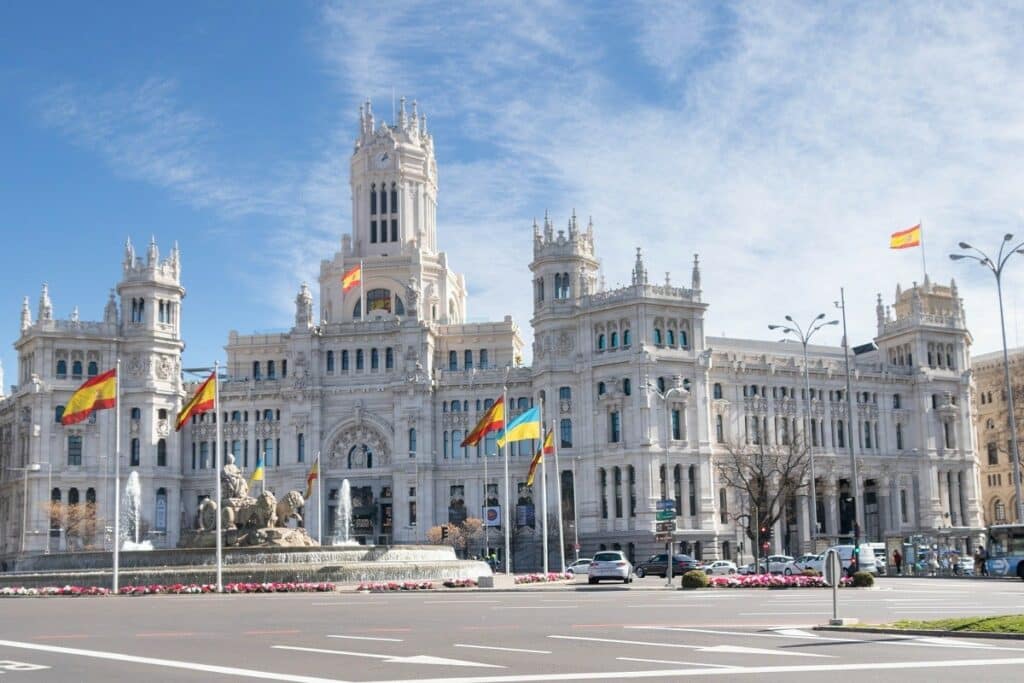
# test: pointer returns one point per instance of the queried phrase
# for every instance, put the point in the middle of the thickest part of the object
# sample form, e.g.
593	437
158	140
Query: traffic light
444	532
855	560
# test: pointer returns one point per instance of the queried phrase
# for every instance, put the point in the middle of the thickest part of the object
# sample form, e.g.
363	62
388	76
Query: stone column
884	508
831	496
803	522
684	496
955	499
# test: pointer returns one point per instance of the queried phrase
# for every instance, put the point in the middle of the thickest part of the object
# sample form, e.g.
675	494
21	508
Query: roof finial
695	277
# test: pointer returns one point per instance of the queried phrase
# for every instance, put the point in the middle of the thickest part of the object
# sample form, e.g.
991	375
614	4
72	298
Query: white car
749	569
610	564
778	564
815	562
719	567
580	566
866	558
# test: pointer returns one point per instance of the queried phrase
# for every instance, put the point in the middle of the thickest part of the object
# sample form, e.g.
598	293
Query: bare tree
766	476
78	521
461	536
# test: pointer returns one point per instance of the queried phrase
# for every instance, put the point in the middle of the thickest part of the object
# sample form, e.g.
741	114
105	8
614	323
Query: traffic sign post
666	515
833	571
667	504
665	527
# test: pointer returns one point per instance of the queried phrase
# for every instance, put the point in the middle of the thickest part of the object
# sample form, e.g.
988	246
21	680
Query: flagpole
319	502
483	509
117	477
508	522
558	484
543	491
218	458
362	294
924	264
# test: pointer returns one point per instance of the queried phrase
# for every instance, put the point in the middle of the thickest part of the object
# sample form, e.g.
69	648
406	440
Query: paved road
574	633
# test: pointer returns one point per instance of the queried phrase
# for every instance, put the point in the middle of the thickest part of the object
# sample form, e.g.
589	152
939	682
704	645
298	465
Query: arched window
693	490
330	361
135	453
456	406
62	369
483	358
344	360
627	386
614	340
617	478
600	389
683	342
625	337
90	497
671	337
453	360
383	199
378	300
160	510
600	342
76	369
359	359
558	285
716	391
631	480
161	453
75	450
374	359
467	360
723	506
394	198
136	413
93	369
840	434
677	433
657	336
999	510
412	441
399	306
58	413
268	415
255	369
614	427
458	450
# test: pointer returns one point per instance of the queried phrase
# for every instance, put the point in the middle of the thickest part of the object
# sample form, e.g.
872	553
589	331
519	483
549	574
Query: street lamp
858	510
31	467
575	515
678	389
793	328
996	266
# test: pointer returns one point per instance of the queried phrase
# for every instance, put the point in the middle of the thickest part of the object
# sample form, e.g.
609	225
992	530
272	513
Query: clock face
382	160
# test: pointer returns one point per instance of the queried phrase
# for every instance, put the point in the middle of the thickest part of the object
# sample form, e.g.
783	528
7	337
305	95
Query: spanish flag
314	472
97	393
549	447
904	239
257	474
524	427
201	401
492	421
352	277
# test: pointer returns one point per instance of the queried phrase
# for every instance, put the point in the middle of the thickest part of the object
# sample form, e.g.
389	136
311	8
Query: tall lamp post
575	512
32	467
678	389
996	266
793	328
858	510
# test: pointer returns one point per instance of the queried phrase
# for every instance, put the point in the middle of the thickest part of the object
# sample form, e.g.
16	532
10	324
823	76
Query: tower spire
45	306
26	315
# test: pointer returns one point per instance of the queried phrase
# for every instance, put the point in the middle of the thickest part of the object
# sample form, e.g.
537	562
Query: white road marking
536	607
681	673
391	659
728	649
504	649
671	661
389	640
168	663
460	602
795	632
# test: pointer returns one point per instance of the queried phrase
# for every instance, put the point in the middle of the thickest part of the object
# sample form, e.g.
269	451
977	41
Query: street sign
665	527
665	515
833	568
663	538
667	504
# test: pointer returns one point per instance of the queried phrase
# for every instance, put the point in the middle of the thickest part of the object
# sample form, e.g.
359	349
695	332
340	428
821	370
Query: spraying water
343	517
131	515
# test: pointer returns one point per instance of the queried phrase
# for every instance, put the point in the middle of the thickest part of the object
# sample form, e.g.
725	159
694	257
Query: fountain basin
342	564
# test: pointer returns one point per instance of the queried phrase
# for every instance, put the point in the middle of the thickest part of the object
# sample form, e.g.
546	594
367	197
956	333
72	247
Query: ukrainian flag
523	428
257	474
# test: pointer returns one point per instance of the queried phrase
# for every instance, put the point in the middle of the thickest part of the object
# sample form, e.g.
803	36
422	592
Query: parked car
777	563
749	568
580	566
657	565
719	567
610	564
867	560
881	557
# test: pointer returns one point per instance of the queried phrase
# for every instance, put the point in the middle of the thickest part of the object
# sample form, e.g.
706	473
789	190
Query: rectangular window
394	229
75	451
867	434
993	454
719	429
676	426
614	427
135	453
565	428
412	513
373	231
903	506
565	393
300	447
193	456
204	454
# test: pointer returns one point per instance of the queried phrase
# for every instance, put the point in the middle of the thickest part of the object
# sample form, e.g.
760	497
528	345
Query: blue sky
781	141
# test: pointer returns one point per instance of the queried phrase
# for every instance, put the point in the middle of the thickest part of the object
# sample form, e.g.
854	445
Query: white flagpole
218	458
507	515
319	501
558	488
362	293
924	264
117	477
543	492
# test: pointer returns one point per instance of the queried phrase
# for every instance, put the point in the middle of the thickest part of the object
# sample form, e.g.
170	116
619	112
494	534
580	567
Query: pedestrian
933	562
981	561
897	559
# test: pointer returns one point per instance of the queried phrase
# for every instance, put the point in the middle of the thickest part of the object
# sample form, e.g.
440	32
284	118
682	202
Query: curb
922	632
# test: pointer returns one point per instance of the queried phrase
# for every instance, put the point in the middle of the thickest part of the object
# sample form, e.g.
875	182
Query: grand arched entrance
361	454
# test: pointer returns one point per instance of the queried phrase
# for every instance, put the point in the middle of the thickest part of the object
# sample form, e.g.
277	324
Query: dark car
657	565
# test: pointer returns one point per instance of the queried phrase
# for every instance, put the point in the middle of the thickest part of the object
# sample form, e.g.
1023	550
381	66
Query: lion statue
255	513
288	508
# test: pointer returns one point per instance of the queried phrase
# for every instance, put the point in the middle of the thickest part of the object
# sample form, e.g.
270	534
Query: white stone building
387	396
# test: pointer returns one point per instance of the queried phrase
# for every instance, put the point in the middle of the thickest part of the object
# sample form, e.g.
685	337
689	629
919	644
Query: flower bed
172	589
542	578
389	586
771	581
460	583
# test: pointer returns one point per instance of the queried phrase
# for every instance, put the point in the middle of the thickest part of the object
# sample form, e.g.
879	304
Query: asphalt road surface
561	634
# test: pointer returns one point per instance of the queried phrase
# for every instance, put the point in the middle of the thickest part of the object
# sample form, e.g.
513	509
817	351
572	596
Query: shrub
863	580
810	572
695	579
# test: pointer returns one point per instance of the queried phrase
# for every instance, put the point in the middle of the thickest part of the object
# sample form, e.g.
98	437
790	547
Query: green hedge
695	579
863	580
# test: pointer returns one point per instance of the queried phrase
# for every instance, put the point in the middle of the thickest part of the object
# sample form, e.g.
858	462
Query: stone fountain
131	515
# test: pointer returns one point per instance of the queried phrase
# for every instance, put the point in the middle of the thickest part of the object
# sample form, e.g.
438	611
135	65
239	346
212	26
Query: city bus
1006	550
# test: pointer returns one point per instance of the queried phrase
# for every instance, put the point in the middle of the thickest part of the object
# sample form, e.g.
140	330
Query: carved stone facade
991	424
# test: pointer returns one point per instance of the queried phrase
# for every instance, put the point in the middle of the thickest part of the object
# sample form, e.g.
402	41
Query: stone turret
304	308
26	315
695	277
45	313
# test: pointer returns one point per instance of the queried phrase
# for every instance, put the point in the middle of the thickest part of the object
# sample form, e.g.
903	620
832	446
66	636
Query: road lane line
728	649
751	614
272	632
394	659
672	661
504	649
389	640
169	663
536	607
165	634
